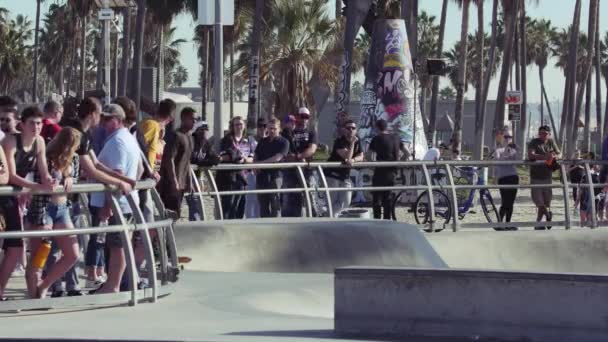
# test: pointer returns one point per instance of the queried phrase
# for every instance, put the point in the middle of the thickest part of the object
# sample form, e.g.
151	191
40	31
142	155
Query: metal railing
427	185
164	227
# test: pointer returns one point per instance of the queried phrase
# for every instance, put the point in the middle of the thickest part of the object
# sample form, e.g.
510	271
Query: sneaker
57	294
74	293
549	217
90	284
19	271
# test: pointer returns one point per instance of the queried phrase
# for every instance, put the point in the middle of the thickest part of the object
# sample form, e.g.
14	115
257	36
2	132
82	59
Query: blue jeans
95	255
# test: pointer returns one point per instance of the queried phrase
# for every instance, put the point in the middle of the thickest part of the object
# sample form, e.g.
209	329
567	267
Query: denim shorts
57	214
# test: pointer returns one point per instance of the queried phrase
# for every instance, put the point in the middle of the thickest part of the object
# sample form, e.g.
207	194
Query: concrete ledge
468	303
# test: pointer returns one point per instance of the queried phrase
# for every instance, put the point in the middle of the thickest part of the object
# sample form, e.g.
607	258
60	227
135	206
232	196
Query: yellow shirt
151	132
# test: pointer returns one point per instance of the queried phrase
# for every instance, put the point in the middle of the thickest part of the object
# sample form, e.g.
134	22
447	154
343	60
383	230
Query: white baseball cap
303	111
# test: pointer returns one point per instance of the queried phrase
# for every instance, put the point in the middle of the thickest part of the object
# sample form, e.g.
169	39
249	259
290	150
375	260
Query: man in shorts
544	149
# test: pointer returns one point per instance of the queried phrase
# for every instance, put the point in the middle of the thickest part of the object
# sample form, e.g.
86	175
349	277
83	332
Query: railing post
198	189
566	187
429	185
127	247
591	196
218	197
306	191
327	192
455	223
140	222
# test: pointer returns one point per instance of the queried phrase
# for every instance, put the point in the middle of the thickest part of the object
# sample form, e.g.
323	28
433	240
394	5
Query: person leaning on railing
271	149
544	149
202	155
347	150
235	148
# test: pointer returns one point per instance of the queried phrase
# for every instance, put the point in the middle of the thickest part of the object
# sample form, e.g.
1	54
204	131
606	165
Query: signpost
105	15
514	100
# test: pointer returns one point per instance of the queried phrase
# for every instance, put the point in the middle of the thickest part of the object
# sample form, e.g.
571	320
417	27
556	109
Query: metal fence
427	185
159	281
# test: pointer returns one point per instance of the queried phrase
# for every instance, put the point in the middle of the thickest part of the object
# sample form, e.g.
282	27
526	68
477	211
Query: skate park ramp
554	251
298	245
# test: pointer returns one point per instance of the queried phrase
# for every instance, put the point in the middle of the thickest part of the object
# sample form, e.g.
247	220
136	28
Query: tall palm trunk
72	65
160	74
593	10
606	105
83	57
36	41
204	75
435	89
462	68
61	79
137	53
338	8
480	118
598	82
546	98
254	67
523	123
587	132
571	126
126	51
510	12
231	76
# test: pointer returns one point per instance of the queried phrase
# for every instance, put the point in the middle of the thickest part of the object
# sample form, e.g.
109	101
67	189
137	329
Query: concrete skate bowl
302	245
557	251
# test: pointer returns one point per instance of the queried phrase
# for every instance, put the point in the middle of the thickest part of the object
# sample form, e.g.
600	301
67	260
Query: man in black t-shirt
387	147
271	149
303	146
346	150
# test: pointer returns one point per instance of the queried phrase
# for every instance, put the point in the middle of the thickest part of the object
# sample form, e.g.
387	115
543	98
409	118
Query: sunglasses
261	126
508	136
5	120
350	128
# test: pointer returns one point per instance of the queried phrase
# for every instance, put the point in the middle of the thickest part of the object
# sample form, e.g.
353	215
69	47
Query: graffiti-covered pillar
389	88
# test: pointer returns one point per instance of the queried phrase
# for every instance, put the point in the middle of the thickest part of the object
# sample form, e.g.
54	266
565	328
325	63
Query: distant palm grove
300	50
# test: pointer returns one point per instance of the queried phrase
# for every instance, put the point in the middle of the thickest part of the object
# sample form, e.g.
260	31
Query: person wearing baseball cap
303	146
120	153
289	125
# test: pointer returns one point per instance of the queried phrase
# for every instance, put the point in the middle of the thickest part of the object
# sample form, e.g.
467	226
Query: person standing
543	148
53	112
252	207
175	177
202	155
506	174
302	148
346	150
271	149
25	155
387	147
8	121
152	128
235	148
121	153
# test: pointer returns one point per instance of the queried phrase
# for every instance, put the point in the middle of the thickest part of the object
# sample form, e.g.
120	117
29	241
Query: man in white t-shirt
120	153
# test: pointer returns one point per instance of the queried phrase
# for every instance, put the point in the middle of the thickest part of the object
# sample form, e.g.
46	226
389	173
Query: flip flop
184	259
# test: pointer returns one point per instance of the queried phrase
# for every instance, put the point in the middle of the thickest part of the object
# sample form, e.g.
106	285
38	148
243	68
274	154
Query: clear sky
558	11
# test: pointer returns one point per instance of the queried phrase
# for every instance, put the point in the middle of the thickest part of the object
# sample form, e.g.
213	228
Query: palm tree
523	29
161	13
462	67
510	10
201	37
604	68
435	88
539	51
15	52
36	32
170	51
480	118
138	52
491	66
255	65
178	76
428	33
571	79
83	8
591	32
447	94
598	82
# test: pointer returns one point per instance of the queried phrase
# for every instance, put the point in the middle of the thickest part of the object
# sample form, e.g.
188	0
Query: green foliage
15	51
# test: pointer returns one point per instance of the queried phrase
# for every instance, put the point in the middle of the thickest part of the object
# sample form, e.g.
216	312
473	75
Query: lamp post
219	75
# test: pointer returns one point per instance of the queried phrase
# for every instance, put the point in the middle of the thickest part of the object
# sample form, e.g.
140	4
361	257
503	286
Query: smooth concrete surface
205	307
475	304
302	245
557	250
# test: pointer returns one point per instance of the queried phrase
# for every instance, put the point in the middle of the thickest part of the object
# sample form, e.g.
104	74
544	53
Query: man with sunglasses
346	150
542	148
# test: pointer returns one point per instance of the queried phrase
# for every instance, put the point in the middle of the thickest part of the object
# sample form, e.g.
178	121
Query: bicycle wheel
443	210
488	207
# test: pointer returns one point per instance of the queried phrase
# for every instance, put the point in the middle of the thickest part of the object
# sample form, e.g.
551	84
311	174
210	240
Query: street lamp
106	16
